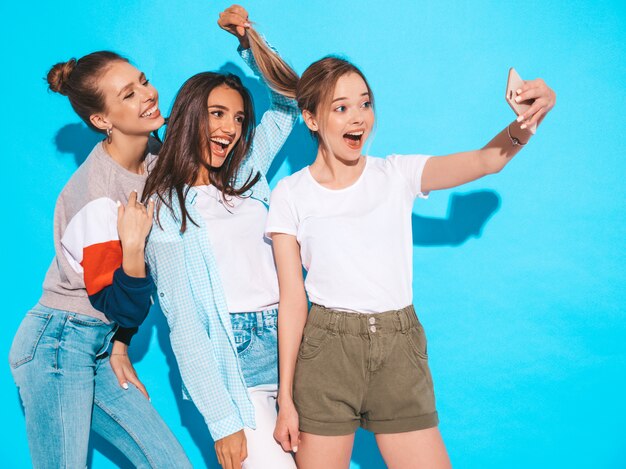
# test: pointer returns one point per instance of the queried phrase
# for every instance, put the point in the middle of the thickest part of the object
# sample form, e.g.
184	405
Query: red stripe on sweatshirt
99	263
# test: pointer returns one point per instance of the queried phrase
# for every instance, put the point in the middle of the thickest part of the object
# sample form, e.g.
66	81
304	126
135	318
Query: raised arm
292	314
278	121
275	125
444	172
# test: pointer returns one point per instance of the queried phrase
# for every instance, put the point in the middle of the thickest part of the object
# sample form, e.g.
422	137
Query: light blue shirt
190	291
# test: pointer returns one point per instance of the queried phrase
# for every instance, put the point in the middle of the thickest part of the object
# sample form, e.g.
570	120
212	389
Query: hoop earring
109	133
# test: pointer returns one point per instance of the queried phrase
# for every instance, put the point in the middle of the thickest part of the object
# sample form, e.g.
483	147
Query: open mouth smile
354	139
151	113
219	146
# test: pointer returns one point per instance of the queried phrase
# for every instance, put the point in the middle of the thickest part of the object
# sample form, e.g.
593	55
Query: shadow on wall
78	140
467	216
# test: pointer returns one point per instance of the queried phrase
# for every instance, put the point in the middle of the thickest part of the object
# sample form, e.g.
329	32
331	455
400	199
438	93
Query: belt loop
404	326
333	320
259	323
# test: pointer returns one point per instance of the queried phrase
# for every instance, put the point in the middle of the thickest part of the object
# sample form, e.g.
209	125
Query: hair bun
59	74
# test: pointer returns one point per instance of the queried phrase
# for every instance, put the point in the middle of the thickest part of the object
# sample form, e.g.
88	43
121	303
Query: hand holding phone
513	84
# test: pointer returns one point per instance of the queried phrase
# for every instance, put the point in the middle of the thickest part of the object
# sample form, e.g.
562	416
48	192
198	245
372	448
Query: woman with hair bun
213	267
97	289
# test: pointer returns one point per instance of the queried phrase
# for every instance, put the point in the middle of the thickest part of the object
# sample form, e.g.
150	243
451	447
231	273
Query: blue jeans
67	387
257	345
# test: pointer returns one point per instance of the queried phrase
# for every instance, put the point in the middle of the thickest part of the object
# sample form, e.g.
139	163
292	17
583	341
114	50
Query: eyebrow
142	77
224	108
343	97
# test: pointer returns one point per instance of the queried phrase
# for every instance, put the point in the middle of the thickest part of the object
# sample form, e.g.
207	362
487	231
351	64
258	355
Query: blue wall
519	278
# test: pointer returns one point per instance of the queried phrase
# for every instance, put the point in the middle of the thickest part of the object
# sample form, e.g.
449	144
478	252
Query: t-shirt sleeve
282	215
411	168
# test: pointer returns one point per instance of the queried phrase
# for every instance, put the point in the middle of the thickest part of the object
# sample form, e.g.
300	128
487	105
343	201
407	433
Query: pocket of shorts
417	340
245	347
27	338
312	341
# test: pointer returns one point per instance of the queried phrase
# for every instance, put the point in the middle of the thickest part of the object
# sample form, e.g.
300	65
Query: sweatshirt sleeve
92	247
124	335
126	301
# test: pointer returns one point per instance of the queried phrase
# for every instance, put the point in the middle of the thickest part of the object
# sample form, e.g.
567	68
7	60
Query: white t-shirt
242	253
355	243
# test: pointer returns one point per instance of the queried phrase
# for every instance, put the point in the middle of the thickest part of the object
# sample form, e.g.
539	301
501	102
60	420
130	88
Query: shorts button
372	320
373	328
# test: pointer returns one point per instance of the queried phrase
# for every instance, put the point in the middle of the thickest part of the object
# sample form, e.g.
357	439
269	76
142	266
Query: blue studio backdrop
519	278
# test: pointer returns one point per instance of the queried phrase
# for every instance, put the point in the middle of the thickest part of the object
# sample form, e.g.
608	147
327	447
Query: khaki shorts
367	370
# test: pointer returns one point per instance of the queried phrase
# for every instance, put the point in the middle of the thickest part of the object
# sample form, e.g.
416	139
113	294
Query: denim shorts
257	346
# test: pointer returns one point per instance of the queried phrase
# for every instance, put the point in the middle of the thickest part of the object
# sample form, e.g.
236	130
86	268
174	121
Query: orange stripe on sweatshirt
99	263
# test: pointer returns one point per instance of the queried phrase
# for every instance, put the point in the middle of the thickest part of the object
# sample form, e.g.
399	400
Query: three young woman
359	358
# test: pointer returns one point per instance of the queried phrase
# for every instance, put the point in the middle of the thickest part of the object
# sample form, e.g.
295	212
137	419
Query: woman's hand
232	450
123	368
287	431
235	20
544	100
134	222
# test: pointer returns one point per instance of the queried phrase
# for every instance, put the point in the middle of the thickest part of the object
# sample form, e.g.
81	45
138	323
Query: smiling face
226	117
131	102
348	118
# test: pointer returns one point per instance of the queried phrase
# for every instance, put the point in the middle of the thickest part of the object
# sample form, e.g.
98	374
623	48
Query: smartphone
513	84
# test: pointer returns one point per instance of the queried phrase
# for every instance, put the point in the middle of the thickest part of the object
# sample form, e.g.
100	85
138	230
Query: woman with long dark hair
212	266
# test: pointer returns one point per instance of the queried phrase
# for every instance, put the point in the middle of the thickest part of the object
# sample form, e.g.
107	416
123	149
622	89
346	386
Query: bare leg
421	449
315	451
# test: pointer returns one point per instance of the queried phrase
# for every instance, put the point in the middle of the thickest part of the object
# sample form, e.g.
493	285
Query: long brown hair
78	80
187	140
187	137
